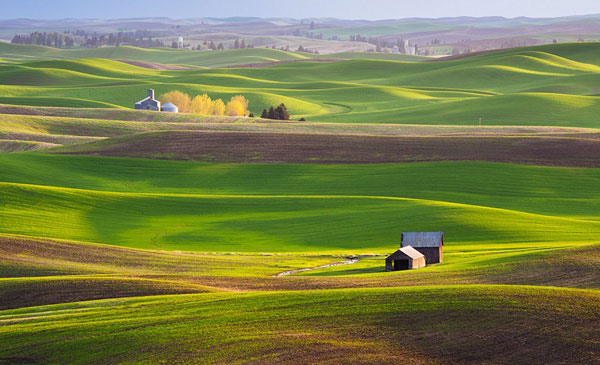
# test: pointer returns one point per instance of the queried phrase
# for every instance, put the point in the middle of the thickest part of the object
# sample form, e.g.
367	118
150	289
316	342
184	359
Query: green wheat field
121	242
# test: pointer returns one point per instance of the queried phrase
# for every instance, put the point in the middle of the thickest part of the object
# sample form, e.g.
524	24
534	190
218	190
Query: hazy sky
348	9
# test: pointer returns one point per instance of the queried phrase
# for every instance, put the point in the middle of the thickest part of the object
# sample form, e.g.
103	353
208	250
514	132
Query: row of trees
299	49
68	39
237	106
57	40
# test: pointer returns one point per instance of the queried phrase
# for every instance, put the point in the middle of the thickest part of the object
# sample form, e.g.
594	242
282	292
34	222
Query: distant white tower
180	42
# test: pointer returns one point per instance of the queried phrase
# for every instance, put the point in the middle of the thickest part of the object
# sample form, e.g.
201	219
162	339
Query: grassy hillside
169	56
458	324
157	259
159	55
549	85
206	207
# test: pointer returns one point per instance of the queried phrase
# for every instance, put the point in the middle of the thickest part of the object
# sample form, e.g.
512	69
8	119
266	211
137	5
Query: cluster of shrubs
237	106
278	113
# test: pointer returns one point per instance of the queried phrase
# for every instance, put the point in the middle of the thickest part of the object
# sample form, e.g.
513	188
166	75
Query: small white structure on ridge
170	108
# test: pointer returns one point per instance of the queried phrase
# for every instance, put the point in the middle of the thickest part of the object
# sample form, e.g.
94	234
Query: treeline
139	38
380	44
299	49
237	106
79	38
212	46
57	40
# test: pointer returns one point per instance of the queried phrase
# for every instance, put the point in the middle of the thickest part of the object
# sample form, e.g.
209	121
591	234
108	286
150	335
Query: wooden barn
428	243
406	258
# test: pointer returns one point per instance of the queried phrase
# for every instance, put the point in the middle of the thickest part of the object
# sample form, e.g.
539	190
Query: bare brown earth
64	271
154	65
7	146
581	150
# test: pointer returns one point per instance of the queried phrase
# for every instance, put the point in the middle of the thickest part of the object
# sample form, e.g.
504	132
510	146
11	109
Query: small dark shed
428	243
406	258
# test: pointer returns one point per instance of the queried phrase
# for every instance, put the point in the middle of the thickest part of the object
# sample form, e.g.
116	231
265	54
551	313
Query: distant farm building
170	108
396	49
406	258
152	104
149	103
180	42
428	243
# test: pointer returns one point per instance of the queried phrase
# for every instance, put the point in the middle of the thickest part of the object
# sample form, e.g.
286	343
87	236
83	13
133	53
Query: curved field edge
466	324
273	223
31	261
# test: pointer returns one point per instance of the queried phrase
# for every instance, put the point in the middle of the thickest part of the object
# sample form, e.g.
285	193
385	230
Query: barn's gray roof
148	100
422	239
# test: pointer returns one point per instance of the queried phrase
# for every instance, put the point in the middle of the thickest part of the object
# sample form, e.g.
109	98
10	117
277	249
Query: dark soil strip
247	147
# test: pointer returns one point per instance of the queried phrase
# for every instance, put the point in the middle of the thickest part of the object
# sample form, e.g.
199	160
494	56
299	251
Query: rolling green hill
160	254
159	55
543	86
194	207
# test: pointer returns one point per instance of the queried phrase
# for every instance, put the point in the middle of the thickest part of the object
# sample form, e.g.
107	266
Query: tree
221	47
312	25
218	107
236	44
237	106
235	109
265	114
202	104
271	114
243	44
281	112
180	99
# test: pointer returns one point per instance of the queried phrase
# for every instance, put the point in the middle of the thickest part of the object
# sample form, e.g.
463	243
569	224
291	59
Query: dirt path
291	272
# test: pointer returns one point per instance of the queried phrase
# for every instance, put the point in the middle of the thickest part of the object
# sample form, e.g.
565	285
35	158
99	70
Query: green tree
281	112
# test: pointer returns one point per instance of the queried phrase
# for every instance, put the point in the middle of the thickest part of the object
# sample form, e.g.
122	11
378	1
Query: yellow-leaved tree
218	107
237	106
180	99
202	104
